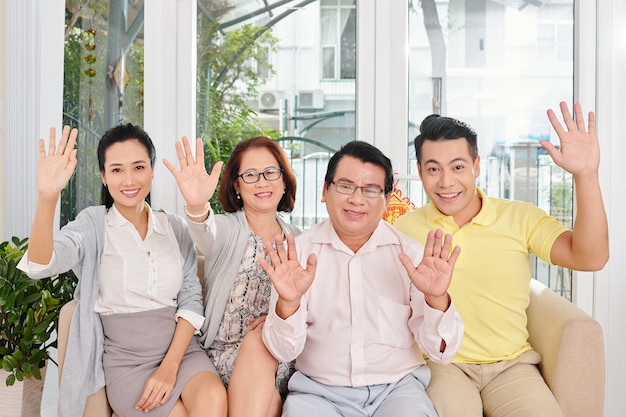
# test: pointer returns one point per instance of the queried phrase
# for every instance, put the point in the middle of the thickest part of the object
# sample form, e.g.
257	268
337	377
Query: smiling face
355	217
127	174
261	196
449	175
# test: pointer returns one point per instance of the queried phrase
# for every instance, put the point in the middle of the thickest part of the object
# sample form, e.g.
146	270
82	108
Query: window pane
328	27
498	68
103	85
338	28
348	43
328	62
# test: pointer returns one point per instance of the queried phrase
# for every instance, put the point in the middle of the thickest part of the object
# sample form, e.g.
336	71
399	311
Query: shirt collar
383	235
485	216
115	219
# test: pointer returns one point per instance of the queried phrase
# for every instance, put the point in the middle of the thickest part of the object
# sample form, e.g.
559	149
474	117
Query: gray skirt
134	346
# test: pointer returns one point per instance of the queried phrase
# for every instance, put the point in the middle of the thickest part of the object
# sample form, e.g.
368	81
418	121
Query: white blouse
139	274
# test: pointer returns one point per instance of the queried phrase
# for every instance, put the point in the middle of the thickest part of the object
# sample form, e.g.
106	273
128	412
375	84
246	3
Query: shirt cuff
195	319
444	325
32	267
285	338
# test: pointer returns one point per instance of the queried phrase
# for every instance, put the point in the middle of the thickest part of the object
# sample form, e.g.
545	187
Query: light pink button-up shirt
359	322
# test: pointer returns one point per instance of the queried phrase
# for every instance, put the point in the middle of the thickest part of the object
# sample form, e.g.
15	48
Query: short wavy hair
227	194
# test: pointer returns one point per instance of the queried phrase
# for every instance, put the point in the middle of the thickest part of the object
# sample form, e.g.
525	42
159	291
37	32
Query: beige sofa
571	345
569	341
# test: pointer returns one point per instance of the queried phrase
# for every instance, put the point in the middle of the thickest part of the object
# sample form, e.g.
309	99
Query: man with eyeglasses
350	306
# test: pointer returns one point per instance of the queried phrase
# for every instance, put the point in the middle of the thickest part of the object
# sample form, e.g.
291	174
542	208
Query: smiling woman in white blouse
140	302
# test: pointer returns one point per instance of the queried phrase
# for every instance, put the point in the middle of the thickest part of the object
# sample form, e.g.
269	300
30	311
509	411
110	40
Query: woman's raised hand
56	166
195	184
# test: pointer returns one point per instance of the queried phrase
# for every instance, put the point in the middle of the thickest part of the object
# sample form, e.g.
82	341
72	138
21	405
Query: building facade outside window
338	39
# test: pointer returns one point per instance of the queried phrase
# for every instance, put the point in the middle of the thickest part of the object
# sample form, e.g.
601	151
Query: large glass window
498	65
287	71
103	85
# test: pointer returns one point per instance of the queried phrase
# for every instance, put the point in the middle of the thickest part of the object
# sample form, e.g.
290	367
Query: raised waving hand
195	184
434	273
579	152
56	166
54	170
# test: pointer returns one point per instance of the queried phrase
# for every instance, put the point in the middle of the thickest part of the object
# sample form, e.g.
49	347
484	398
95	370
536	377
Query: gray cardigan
78	246
222	240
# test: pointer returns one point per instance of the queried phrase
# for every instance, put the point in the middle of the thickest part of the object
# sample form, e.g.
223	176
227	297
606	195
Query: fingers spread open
52	141
567	116
187	148
199	150
592	123
580	120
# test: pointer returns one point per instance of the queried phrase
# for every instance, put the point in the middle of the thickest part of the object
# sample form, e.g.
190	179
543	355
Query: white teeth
129	192
448	195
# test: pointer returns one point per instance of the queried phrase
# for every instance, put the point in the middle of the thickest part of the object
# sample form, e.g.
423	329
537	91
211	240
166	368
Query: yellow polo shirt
490	283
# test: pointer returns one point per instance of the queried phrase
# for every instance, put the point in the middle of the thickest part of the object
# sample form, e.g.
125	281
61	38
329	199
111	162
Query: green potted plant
29	312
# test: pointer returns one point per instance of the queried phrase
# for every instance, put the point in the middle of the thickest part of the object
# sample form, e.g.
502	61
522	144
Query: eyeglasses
270	174
369	191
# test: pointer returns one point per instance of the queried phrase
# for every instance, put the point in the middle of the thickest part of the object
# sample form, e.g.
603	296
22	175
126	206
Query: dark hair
117	134
364	152
227	194
436	128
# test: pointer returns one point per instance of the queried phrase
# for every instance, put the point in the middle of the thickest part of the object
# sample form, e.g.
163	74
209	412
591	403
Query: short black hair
437	128
364	152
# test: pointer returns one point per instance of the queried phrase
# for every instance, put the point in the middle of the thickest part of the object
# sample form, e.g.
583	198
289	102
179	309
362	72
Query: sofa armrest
97	404
571	346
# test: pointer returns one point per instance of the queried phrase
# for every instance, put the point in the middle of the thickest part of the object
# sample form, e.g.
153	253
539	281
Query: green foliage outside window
230	70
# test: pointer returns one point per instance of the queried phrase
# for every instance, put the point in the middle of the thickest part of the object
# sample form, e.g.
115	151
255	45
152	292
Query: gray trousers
404	398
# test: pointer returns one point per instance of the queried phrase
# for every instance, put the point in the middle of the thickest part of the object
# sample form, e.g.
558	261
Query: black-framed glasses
369	191
270	174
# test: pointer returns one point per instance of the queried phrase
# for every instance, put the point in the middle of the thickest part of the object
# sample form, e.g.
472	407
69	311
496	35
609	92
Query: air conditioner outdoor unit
311	99
270	100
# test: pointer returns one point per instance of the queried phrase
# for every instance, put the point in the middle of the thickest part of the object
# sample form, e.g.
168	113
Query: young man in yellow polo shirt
495	369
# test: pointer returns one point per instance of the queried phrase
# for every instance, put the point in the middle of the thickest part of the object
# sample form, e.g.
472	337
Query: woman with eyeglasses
257	183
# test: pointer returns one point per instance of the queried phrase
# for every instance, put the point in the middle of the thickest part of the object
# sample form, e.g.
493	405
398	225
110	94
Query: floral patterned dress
249	298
